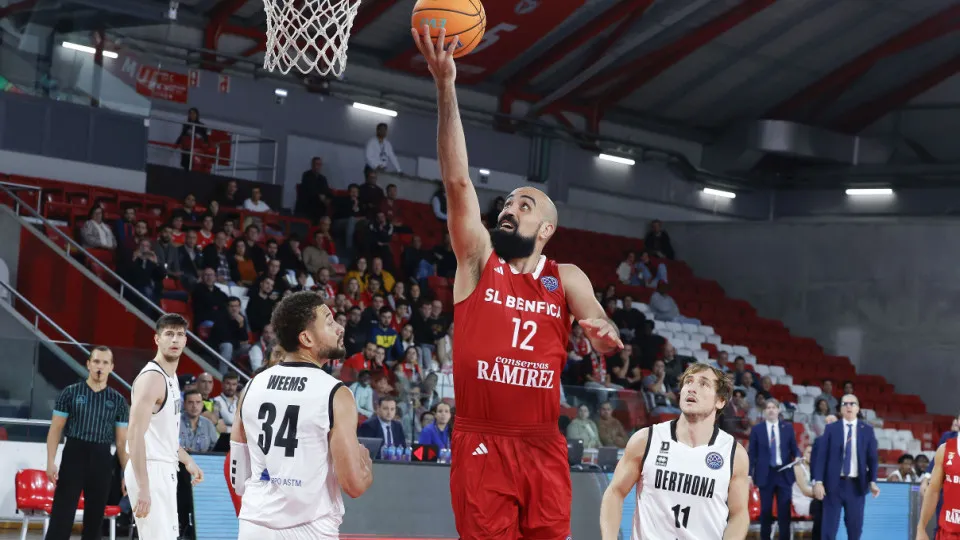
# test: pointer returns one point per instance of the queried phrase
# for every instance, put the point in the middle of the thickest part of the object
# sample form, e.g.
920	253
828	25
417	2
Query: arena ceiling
691	68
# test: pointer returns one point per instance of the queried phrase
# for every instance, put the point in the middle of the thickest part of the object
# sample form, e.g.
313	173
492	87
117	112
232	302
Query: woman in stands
358	271
398	294
438	432
248	272
584	429
192	128
352	292
95	233
818	421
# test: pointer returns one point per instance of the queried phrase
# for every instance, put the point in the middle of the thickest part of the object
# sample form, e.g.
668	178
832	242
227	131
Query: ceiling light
617	159
280	92
869	191
485	172
86	49
371	108
720	193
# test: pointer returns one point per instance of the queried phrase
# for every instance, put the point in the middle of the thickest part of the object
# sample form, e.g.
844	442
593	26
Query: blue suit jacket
829	460
759	453
373	429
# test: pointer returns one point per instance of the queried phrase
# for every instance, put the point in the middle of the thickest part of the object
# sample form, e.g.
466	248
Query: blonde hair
723	386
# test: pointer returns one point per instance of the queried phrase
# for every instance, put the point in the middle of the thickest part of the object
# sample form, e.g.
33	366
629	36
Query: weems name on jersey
280	382
516	372
688	484
521	304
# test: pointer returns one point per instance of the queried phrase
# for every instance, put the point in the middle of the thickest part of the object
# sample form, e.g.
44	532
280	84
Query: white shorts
162	522
307	531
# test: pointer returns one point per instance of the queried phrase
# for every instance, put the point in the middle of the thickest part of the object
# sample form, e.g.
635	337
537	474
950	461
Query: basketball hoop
308	35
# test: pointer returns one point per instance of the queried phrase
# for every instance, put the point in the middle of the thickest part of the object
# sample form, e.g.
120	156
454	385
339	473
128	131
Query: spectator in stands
665	308
384	425
398	294
377	271
363	393
141	231
197	433
231	197
358	271
380	236
353	294
847	387
444	353
722	362
444	259
673	364
205	387
206	235
314	194
245	268
628	319
168	253
429	389
385	336
258	351
324	287
254	251
176	230
144	274
290	255
415	261
661	397
579	355
739	368
371	195
438	433
755	416
225	404
627	270
189	261
365	360
272	249
355	336
493	213
209	302
657	241
280	283
223	264
650	278
213	210
415	296
255	203
315	256
261	304
393	211
124	231
192	129
610	429
827	394
766	386
438	202
95	233
622	370
734	420
905	471
379	152
922	463
749	385
348	214
324	239
647	345
188	211
818	420
231	332
230	229
584	429
371	314
802	495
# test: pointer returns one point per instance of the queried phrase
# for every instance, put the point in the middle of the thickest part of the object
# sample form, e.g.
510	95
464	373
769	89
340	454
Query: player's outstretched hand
196	473
602	335
439	58
143	504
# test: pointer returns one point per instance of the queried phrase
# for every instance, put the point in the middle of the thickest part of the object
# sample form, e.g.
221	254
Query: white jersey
682	493
287	414
162	440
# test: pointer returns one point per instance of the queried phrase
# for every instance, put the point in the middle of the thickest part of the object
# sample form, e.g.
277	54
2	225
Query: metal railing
124	287
218	154
24	421
39	315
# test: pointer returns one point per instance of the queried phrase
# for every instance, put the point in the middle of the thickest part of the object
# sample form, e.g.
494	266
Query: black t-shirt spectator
422	330
628	318
227	330
259	310
410	259
259	257
646	348
654	242
446	261
208	304
355	337
370	197
312	185
345	207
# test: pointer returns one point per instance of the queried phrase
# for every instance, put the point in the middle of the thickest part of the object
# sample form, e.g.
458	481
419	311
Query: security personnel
93	417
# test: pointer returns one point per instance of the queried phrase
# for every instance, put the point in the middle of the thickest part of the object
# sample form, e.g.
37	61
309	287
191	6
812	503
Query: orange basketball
464	20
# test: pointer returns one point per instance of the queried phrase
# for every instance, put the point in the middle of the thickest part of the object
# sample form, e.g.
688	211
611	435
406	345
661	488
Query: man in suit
846	468
816	505
383	426
191	261
772	450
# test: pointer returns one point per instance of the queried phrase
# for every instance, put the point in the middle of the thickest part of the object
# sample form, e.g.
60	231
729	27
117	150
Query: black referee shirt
92	416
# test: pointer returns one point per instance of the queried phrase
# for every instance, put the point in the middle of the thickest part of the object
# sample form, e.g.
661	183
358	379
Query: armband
239	466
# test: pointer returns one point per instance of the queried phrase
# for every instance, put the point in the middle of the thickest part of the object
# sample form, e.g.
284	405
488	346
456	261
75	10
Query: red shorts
507	488
945	535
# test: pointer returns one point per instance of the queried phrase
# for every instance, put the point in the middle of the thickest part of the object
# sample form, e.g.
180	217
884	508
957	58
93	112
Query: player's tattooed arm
599	329
932	494
625	477
738	497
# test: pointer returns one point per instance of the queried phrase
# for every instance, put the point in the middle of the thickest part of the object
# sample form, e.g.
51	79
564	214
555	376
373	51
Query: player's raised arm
932	495
738	497
599	329
149	390
625	477
351	460
470	240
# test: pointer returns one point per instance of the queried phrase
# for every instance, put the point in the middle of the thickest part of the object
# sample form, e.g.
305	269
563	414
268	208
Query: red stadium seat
34	494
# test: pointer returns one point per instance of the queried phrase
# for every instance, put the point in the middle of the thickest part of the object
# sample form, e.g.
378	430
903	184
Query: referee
93	417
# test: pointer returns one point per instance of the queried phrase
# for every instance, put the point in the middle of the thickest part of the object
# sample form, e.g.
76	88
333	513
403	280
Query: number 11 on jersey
529	329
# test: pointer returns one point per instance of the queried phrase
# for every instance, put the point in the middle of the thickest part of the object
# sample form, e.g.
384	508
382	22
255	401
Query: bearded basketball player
513	309
691	476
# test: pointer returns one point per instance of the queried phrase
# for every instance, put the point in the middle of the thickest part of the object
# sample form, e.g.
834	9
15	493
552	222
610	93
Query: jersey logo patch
265	476
661	461
714	461
950	458
81	400
498	270
665	447
550	283
109	404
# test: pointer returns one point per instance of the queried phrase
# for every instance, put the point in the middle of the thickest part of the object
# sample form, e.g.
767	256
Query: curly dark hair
293	315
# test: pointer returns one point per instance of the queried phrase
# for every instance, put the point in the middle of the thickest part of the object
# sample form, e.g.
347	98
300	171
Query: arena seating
796	365
34	492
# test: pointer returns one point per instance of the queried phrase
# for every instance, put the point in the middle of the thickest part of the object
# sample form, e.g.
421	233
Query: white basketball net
308	35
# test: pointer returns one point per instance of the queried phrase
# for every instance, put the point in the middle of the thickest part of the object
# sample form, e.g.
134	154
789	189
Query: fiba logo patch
714	461
550	283
81	400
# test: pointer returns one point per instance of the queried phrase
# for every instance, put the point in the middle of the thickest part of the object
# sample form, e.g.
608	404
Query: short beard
511	246
334	353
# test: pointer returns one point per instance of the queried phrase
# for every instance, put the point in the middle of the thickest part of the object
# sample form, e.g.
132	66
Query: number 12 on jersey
528	328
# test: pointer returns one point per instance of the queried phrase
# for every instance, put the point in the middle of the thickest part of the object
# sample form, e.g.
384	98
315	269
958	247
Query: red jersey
510	349
949	519
204	238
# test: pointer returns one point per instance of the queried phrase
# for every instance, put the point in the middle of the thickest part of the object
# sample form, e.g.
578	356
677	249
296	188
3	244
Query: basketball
464	20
